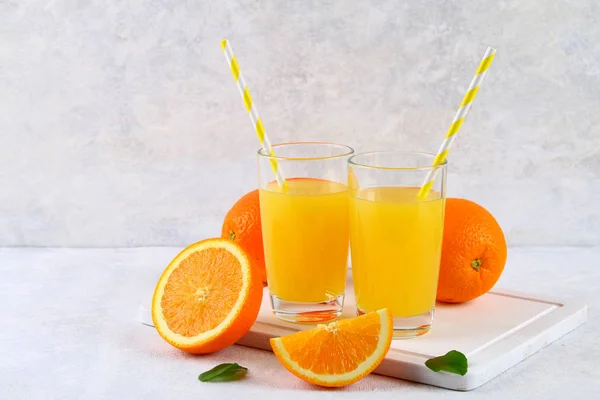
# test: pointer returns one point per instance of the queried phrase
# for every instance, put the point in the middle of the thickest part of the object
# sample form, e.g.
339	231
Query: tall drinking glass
396	237
305	229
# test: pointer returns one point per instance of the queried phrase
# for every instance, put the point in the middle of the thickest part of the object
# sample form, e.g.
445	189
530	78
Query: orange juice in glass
306	230
396	236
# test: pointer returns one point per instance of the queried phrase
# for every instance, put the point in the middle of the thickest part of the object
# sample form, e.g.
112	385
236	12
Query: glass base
307	313
410	327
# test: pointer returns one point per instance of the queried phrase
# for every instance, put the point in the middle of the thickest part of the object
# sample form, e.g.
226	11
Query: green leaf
223	373
453	361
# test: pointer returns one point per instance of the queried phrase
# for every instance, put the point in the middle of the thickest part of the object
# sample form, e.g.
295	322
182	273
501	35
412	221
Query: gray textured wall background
121	125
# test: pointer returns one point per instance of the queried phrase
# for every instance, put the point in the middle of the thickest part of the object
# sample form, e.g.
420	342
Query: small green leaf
223	373
453	361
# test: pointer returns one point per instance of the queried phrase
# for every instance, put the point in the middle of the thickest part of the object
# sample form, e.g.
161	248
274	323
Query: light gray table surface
70	330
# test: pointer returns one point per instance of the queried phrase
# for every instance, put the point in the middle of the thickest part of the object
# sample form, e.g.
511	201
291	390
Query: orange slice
337	354
207	298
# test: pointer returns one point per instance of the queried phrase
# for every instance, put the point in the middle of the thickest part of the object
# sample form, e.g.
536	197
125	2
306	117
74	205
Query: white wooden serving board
495	332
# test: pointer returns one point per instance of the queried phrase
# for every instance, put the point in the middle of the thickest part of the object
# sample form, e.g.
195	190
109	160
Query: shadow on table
264	370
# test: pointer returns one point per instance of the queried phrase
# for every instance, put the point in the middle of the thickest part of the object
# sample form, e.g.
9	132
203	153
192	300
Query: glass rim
349	151
353	163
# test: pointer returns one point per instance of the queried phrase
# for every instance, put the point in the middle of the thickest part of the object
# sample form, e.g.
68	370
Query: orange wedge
207	298
337	354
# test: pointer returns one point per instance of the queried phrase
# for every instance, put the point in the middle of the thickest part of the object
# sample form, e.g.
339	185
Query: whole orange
242	225
473	252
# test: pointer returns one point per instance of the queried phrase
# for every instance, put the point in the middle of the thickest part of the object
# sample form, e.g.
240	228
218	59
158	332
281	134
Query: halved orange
337	354
208	297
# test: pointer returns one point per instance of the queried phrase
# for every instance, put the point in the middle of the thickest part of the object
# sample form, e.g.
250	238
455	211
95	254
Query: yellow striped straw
460	116
251	108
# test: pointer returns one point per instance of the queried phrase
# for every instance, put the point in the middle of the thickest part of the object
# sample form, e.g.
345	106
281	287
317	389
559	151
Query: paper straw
460	116
252	112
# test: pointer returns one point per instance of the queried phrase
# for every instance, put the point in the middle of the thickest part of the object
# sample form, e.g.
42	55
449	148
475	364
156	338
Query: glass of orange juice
305	229
396	236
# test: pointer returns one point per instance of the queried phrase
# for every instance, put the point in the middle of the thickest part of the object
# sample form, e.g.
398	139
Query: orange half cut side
207	298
